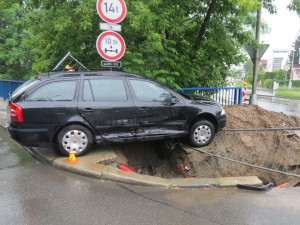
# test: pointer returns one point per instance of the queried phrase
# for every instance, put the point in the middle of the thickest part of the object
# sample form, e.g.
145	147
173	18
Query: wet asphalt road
34	193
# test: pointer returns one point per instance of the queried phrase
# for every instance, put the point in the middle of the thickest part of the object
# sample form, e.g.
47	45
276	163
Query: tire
74	137
201	133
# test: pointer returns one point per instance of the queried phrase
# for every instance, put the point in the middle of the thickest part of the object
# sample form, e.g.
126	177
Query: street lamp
292	64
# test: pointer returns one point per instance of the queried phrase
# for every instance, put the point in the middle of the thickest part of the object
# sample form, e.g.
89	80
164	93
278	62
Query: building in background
276	61
296	73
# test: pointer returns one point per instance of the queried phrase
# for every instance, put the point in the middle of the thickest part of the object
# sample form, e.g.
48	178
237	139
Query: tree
295	5
296	52
15	60
180	43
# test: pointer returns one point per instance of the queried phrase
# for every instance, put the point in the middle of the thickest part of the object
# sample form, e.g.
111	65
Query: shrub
268	83
249	79
261	75
280	77
271	75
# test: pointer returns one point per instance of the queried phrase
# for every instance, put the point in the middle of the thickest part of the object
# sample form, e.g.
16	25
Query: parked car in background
76	110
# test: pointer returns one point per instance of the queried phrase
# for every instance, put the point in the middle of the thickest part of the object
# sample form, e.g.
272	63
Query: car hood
199	100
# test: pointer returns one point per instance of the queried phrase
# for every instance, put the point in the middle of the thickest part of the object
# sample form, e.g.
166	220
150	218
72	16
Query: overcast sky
284	25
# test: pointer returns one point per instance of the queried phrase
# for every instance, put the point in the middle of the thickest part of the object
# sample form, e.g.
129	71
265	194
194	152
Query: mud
165	160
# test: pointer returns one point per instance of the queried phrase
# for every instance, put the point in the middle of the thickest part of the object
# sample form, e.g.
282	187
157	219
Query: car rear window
24	87
55	91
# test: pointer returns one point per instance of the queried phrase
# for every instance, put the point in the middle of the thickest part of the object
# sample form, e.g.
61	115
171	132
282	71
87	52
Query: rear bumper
30	137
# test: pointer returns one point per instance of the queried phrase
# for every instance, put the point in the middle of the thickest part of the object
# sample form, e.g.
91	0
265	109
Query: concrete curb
99	171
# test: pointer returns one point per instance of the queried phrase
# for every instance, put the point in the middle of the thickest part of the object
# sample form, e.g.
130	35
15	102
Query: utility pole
290	82
253	97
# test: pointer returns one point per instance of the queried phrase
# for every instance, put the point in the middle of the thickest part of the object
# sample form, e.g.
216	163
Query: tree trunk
203	28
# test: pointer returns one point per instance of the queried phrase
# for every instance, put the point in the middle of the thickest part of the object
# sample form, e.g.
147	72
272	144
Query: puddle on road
12	154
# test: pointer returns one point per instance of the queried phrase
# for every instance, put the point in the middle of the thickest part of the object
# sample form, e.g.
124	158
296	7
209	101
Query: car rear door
48	107
107	105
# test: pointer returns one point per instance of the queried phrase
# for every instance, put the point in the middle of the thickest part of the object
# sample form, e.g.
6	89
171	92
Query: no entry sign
111	11
110	45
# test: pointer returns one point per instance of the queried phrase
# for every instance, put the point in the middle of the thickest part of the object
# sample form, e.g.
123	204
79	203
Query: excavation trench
280	149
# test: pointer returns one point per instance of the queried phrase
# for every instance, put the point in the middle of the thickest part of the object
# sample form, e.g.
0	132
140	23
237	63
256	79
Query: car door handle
88	110
143	109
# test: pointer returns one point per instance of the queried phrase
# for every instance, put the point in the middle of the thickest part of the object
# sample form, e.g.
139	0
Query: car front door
107	105
158	112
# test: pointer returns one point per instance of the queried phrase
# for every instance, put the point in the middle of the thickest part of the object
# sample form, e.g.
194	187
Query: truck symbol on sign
109	50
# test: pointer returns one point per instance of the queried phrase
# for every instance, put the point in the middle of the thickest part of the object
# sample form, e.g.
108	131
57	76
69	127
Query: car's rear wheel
76	138
201	133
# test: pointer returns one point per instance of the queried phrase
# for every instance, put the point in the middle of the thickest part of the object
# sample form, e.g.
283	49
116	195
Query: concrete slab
194	182
233	181
101	155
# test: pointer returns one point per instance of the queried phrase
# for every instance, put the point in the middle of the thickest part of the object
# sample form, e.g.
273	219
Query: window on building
277	63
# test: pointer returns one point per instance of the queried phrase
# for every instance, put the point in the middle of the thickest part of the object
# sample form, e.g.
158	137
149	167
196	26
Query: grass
218	181
285	92
294	89
288	94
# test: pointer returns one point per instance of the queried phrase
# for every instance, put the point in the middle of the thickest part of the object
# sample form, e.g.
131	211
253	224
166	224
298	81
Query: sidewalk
3	112
90	165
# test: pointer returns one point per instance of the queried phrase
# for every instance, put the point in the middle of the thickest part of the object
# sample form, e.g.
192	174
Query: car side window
55	91
146	91
104	90
87	92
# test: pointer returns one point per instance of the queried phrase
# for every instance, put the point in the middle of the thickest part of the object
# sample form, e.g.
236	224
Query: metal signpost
110	45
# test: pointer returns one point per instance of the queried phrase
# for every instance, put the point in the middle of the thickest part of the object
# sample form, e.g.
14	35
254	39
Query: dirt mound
252	117
278	150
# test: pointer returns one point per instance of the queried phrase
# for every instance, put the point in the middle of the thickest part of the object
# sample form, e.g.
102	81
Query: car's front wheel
201	133
76	138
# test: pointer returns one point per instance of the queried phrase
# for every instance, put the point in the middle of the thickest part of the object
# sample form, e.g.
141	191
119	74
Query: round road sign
110	45
111	11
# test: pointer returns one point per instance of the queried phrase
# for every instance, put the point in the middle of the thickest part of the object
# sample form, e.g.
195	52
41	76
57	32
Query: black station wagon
76	110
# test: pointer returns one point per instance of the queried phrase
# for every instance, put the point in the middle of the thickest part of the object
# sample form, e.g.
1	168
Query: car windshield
23	87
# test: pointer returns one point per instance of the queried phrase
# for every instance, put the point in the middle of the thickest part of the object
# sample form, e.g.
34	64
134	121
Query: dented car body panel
114	106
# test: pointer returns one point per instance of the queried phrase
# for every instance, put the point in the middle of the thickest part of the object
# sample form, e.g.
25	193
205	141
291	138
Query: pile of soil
277	150
252	117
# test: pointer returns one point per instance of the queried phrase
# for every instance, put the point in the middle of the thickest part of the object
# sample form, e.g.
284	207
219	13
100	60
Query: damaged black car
77	110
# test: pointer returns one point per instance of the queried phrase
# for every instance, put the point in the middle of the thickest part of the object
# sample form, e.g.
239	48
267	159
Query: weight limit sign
110	45
111	11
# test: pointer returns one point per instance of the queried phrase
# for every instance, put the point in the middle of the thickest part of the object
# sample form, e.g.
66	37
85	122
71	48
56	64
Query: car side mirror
173	100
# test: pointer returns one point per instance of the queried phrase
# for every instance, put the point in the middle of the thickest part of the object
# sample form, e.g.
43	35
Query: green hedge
268	83
296	83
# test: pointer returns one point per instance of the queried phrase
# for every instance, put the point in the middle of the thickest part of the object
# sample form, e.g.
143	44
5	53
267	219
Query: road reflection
267	100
